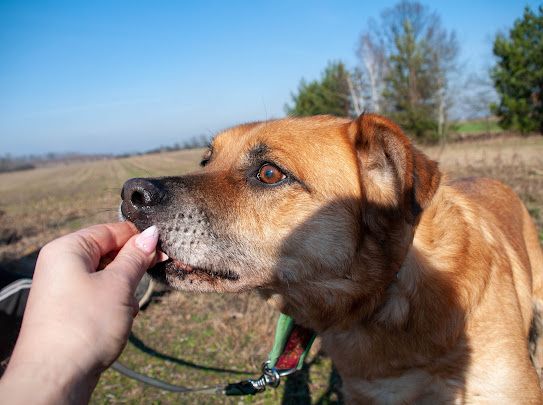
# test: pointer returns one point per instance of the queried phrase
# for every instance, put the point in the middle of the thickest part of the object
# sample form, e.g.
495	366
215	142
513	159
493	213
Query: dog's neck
355	296
385	285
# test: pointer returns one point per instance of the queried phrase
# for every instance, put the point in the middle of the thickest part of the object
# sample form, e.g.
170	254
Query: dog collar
290	347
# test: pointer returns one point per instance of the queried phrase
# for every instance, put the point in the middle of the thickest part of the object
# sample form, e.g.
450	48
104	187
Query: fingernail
161	256
147	240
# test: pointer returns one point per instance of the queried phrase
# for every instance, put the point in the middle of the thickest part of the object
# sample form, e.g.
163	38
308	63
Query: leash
291	345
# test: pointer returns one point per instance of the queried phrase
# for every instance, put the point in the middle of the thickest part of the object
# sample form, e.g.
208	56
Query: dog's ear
394	174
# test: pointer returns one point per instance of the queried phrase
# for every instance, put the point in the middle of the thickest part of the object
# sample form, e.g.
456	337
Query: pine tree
518	74
329	95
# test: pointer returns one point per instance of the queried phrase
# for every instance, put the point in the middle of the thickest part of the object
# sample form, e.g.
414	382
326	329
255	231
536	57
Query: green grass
179	342
478	127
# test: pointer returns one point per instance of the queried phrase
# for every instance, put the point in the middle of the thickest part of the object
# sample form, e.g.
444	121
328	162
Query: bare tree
372	57
478	96
443	47
407	61
356	98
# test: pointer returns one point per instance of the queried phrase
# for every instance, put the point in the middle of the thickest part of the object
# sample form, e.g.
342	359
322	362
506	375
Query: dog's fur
422	289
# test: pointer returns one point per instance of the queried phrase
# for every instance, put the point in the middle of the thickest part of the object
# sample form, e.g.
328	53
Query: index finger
91	243
109	237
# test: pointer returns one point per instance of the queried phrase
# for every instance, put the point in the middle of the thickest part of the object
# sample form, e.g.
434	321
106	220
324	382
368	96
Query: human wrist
45	369
39	382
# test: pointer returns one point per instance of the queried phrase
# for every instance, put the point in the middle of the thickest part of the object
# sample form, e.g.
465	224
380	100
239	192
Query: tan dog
423	290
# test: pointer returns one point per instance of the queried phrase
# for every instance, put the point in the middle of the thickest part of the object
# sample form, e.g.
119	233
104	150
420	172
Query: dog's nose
140	193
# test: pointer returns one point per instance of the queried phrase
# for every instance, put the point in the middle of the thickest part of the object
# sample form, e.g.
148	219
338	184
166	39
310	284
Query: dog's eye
206	158
270	174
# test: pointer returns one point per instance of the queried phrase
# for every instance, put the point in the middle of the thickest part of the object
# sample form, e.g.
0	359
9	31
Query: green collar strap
290	347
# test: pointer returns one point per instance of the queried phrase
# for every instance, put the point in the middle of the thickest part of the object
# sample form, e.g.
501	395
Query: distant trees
9	164
372	69
518	74
329	95
407	62
195	142
477	97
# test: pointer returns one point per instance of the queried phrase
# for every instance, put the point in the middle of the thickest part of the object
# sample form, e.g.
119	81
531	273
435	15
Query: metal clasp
271	377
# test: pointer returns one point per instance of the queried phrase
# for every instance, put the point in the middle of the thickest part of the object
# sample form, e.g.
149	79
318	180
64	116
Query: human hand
77	319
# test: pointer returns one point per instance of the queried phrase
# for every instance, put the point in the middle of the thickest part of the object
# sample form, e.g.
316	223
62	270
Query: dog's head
288	202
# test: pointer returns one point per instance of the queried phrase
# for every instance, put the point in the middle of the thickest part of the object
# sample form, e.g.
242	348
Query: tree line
408	69
9	163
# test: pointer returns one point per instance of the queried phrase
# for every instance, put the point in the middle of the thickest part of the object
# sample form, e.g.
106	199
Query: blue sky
123	76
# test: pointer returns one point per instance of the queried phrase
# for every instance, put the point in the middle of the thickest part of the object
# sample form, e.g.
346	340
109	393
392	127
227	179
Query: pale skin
77	319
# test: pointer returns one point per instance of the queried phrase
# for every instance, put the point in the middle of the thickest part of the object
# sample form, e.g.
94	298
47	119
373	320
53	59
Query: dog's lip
170	264
187	269
184	267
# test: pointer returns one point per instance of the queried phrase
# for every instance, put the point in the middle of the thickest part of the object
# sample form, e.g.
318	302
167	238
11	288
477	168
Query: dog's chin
181	276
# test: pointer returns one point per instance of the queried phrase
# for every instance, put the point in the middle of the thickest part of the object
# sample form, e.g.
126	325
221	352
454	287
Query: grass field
209	339
480	126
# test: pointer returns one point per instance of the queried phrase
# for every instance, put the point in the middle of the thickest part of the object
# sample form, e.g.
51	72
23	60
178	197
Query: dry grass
518	162
231	332
38	205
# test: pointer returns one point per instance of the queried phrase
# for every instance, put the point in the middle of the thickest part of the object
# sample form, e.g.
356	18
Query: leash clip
270	378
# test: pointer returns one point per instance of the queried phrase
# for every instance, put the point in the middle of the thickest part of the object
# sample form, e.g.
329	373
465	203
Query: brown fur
423	289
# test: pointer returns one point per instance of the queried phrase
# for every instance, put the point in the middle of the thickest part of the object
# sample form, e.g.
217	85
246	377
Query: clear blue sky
122	76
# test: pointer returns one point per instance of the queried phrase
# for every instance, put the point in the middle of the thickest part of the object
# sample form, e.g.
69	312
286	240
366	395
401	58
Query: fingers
135	257
107	237
88	245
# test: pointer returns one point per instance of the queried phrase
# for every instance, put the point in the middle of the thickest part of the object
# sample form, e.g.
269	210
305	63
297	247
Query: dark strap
241	388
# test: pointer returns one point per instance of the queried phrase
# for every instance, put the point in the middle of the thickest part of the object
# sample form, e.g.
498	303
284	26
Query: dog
422	289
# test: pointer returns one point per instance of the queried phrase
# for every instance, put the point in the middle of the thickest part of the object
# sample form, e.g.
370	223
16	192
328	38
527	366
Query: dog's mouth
184	269
174	269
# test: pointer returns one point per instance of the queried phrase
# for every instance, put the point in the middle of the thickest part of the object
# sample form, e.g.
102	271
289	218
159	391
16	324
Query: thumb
135	257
